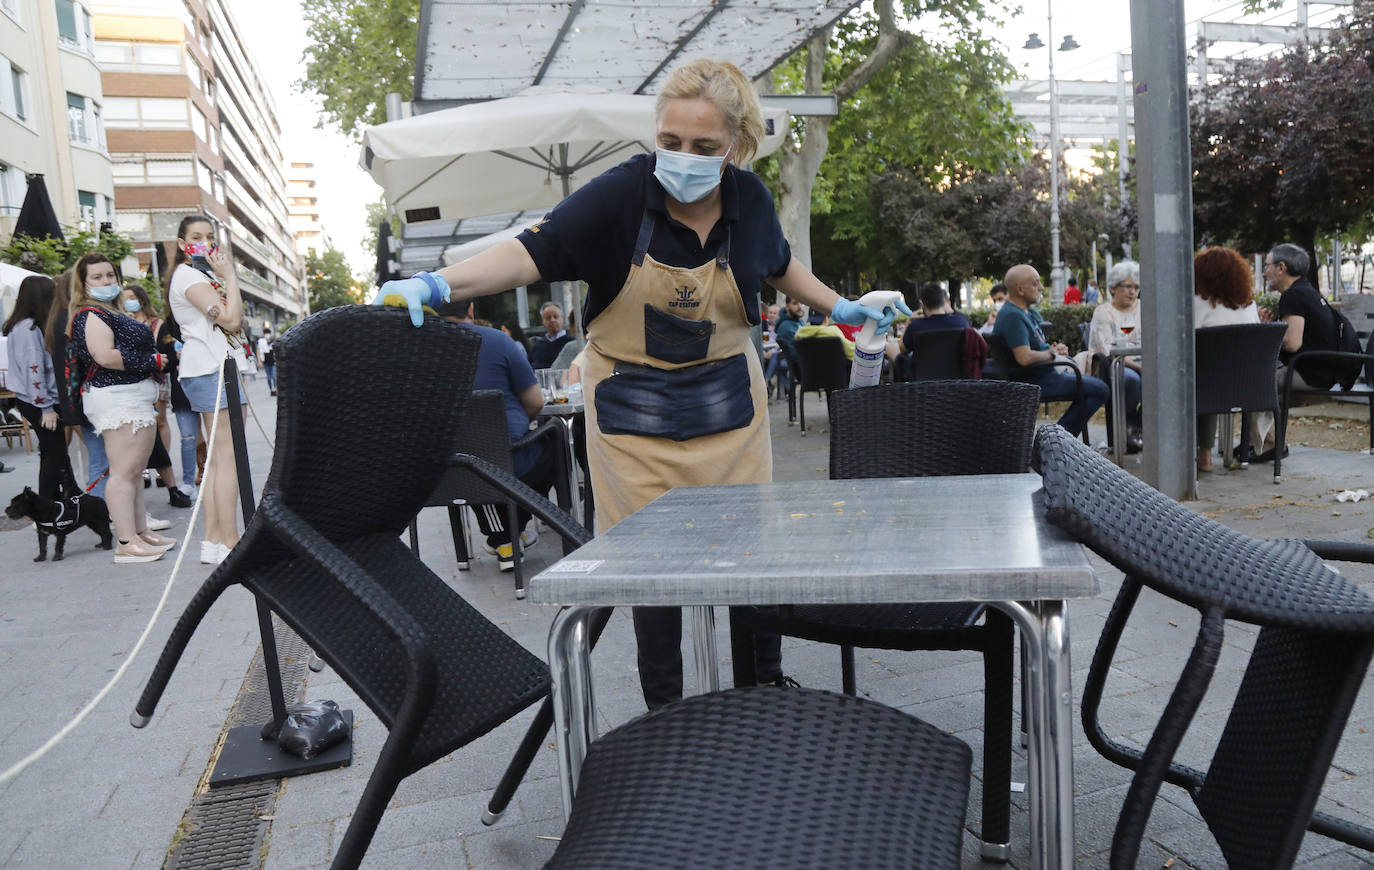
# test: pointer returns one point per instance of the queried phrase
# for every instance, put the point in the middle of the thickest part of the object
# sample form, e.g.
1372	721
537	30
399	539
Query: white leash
19	766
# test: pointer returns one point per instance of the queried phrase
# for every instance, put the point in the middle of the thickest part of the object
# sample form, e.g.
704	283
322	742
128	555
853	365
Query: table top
564	409
966	538
1117	350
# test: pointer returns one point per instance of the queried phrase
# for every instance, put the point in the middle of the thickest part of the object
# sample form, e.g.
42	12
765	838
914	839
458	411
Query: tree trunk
1307	240
798	164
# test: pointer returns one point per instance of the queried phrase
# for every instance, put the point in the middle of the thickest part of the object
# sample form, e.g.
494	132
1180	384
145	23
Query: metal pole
1056	266
1165	196
1123	142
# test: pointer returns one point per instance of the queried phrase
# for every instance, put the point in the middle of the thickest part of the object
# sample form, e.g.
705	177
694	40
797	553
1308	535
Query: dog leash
104	474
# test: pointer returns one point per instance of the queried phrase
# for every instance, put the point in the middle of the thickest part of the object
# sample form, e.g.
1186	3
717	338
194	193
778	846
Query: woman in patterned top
118	361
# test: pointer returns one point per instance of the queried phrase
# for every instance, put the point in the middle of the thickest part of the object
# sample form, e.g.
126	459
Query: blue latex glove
177	346
422	288
851	313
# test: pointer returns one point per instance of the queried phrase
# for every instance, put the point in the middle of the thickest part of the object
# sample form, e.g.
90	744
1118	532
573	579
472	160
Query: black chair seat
879	626
483	676
763	777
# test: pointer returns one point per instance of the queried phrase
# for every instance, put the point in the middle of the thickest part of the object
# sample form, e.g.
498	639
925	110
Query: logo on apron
684	298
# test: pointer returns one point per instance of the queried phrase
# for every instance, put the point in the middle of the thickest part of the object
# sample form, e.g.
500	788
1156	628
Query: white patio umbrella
11	277
523	152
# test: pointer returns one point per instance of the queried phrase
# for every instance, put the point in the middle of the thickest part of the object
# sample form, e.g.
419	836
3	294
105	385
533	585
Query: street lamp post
1057	278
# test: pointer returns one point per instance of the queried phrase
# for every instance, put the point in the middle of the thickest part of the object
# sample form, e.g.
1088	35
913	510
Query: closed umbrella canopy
523	152
37	217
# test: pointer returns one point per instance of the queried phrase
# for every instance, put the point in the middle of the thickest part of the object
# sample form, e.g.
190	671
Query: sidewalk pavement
112	796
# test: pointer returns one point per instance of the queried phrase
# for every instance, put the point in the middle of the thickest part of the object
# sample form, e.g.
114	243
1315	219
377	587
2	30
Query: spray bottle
869	344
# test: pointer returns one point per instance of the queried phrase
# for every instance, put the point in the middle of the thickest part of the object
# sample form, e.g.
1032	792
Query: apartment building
304	206
51	108
193	129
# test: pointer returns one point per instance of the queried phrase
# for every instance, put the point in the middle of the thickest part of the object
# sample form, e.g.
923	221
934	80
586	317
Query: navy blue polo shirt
590	236
502	365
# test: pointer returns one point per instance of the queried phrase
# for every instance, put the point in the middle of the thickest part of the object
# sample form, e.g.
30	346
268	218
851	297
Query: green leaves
329	281
361	51
49	256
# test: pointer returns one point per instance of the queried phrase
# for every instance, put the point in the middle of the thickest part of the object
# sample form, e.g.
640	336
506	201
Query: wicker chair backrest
1235	367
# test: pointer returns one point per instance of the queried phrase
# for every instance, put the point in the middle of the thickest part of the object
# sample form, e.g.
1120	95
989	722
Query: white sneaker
212	553
156	524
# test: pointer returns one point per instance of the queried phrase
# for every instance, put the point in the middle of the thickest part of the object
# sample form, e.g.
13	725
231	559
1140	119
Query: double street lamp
1057	276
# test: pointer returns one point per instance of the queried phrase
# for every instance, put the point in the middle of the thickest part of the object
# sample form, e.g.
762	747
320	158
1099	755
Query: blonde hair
78	297
722	85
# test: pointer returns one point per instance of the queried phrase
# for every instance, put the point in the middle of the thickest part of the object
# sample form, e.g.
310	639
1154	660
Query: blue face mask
132	305
106	293
687	177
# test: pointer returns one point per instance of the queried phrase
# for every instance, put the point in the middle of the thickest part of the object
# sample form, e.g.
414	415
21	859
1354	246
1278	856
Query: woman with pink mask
203	294
118	362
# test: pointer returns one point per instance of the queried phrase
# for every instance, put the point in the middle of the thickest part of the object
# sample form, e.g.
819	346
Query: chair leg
512	523
847	670
458	530
997	700
801	411
386	776
187	623
534	739
742	644
415	535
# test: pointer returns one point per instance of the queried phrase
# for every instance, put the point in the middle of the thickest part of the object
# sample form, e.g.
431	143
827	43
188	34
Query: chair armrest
548	427
554	430
1342	551
567	528
288	527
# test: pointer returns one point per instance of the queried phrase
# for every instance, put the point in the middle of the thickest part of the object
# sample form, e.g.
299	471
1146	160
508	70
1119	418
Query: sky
276	36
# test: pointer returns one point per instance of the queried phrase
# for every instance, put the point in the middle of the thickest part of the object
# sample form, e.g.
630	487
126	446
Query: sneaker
528	538
212	553
156	541
178	499
505	557
136	551
156	524
783	682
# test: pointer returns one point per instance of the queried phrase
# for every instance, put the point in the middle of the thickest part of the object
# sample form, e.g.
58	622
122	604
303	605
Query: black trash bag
309	728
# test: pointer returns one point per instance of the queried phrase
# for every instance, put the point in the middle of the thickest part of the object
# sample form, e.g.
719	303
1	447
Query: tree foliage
50	256
360	51
1281	147
328	281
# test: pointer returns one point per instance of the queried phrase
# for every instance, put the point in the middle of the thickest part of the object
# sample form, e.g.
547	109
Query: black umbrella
37	218
386	271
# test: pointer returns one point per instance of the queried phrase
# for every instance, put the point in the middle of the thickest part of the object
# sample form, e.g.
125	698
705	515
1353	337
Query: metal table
568	411
1118	384
970	538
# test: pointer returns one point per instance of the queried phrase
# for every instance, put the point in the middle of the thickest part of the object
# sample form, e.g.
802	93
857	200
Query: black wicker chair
1314	646
769	777
916	430
822	366
1358	390
1235	373
483	433
1007	368
937	355
323	549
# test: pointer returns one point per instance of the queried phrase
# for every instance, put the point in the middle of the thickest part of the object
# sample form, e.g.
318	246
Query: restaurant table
569	411
892	540
1117	374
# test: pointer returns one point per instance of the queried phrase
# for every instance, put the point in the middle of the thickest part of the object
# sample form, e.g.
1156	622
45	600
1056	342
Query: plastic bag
310	728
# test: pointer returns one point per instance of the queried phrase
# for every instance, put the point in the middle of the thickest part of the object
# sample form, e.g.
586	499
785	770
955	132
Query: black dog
61	518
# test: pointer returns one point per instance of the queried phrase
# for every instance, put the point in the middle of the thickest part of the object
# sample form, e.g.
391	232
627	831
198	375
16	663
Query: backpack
1345	371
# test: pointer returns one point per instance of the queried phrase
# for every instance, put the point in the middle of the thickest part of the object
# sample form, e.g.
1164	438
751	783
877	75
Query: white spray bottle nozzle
868	336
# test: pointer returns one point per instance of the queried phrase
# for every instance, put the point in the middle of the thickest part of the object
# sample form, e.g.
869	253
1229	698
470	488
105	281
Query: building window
76	119
205	178
87	200
170	172
165	225
152	56
198	123
13	90
137	225
11	8
152	113
112	55
12	190
74	25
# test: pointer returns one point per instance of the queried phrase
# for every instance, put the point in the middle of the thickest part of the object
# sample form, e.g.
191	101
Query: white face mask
687	177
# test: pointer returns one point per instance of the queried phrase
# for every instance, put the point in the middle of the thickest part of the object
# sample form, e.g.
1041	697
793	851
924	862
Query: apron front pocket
681	404
675	339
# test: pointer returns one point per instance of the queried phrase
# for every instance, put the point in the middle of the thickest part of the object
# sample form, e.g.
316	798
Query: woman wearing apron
674	247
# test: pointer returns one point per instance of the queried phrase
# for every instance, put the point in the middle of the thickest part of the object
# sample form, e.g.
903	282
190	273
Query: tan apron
673	386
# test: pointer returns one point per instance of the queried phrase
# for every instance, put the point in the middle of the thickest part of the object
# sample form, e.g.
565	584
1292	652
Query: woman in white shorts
118	362
203	295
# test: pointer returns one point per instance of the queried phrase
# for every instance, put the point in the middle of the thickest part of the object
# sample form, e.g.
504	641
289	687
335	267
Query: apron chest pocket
675	339
680	404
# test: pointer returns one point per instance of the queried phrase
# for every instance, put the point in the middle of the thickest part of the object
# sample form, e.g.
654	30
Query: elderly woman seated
1117	321
1224	295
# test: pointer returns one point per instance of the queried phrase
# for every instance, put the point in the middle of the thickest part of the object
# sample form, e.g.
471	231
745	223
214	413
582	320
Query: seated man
1018	324
936	313
501	365
997	296
544	348
818	325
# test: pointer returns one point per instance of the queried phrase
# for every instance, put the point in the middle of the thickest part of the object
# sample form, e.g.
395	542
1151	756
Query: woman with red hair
1223	295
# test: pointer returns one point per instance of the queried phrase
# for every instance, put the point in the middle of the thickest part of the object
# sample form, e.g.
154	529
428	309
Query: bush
1268	302
1062	321
49	256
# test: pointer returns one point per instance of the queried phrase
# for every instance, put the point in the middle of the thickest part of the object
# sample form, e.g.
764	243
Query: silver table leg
1045	632
574	713
704	645
1118	372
